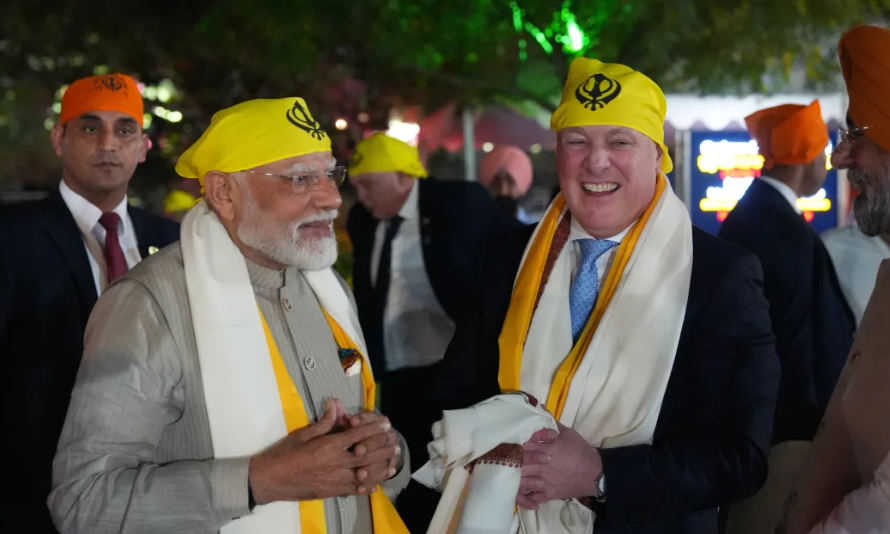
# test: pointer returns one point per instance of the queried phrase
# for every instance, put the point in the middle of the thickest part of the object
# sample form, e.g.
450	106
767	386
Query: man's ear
406	181
146	146
658	158
57	136
222	193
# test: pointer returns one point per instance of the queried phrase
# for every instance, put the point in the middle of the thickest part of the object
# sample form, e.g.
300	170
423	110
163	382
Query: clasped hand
339	455
557	465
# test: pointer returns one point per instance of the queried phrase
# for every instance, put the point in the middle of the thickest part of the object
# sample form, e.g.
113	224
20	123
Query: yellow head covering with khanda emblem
251	134
382	153
610	94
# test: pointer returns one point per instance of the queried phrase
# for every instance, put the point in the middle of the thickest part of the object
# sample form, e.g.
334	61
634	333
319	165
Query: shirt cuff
229	487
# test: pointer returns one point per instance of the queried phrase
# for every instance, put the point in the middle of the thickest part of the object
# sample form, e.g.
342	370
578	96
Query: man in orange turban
845	484
811	320
56	257
507	173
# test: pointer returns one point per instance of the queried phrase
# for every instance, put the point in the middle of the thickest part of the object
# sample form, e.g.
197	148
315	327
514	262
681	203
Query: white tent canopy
718	112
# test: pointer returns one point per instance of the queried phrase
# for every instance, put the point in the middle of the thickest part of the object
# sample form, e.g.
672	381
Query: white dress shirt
856	259
87	215
416	330
784	189
604	262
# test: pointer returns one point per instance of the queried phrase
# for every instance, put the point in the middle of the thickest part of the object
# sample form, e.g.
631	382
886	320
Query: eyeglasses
851	134
306	182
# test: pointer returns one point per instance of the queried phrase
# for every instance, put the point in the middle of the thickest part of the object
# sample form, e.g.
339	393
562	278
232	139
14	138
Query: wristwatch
601	487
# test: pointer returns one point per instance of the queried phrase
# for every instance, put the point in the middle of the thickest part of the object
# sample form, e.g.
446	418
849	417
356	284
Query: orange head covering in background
790	134
108	92
865	59
510	159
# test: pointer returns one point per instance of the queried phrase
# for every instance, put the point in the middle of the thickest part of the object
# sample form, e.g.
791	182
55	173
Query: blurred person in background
416	241
56	257
507	173
810	318
857	258
177	203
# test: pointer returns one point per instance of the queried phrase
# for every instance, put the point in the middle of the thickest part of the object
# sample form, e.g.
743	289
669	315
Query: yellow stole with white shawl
527	290
384	517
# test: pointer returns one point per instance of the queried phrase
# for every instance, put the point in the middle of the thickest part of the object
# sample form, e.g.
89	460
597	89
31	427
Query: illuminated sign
738	163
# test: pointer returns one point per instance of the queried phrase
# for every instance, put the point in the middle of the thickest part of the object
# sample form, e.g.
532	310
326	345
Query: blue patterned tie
586	283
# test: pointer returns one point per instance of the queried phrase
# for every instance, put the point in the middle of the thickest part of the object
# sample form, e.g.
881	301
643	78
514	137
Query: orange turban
510	159
789	134
109	92
865	60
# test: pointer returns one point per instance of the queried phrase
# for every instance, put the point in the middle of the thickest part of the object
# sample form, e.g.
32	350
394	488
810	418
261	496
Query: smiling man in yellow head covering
225	385
643	342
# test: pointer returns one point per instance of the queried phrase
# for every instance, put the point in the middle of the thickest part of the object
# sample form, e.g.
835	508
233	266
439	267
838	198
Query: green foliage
349	57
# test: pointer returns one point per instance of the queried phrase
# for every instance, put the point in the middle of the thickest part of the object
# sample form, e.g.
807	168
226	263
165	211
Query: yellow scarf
525	293
384	517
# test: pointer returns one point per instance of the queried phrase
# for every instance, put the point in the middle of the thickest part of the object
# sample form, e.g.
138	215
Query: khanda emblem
111	82
302	119
597	91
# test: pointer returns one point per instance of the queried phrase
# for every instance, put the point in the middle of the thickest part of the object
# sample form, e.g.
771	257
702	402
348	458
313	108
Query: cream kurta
855	434
136	453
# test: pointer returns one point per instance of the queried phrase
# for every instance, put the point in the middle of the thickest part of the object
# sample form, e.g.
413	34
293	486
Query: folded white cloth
479	471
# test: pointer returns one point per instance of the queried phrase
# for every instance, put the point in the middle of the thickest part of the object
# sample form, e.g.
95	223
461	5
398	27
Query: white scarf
615	396
243	403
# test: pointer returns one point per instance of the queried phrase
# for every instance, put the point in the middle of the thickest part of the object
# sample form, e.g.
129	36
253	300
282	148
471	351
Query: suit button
309	363
855	358
286	303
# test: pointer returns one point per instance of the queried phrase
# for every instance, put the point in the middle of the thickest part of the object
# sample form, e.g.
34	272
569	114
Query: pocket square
351	361
152	250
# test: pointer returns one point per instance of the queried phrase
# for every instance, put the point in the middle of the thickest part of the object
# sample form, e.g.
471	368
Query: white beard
284	244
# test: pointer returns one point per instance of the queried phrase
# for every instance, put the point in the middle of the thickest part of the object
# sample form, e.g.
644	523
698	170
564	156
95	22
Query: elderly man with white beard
224	384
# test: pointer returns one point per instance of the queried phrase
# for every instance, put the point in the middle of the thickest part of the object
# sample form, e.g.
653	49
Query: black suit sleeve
698	470
488	219
5	293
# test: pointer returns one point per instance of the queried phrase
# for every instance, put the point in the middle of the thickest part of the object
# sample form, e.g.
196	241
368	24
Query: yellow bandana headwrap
598	93
251	134
381	153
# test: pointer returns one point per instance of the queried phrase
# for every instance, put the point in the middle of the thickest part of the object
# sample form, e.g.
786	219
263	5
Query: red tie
116	264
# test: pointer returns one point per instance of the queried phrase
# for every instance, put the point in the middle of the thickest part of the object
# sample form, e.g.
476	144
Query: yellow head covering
251	134
598	93
381	153
178	200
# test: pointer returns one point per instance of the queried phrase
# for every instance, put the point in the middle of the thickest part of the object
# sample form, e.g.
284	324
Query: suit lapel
64	232
423	203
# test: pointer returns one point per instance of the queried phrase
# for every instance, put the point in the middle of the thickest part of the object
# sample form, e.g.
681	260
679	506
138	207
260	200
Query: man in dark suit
56	256
416	241
810	318
665	413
